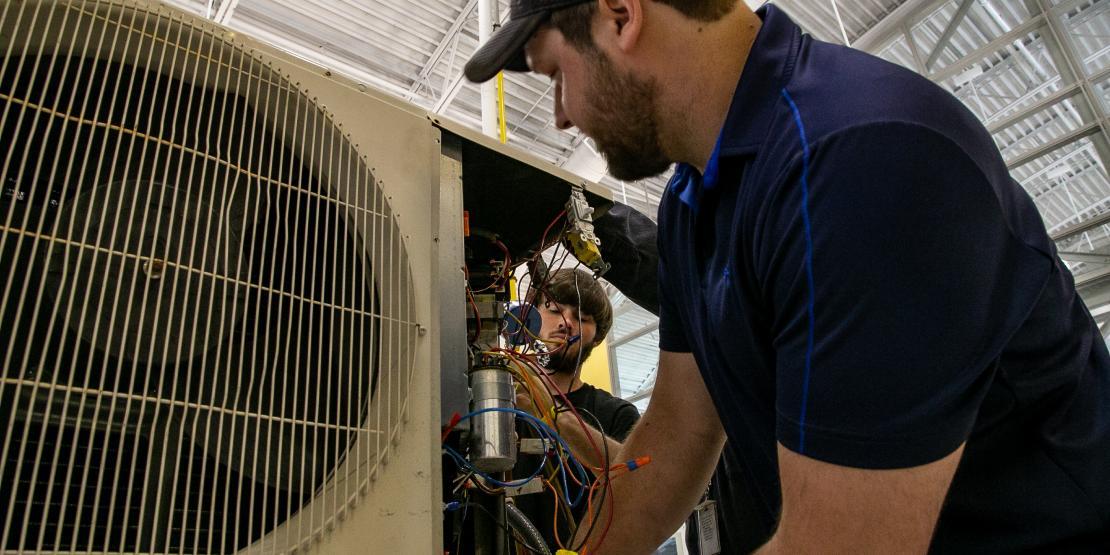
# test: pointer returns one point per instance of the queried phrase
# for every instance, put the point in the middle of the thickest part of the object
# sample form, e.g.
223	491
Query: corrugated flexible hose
521	524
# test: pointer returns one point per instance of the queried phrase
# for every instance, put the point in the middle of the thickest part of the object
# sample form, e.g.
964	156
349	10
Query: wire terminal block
580	235
535	485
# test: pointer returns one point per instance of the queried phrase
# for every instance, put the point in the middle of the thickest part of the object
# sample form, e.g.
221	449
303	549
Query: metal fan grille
205	301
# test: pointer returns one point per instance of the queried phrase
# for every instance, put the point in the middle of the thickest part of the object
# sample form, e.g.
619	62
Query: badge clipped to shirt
709	543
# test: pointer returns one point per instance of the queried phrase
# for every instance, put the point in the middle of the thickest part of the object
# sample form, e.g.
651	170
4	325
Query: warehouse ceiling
1036	72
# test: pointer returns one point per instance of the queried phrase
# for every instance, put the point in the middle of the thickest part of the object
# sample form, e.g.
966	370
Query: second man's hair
589	297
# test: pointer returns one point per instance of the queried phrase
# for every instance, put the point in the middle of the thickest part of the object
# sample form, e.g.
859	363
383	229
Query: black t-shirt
616	416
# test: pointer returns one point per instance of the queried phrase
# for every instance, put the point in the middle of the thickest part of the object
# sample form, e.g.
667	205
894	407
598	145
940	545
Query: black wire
604	476
578	293
513	533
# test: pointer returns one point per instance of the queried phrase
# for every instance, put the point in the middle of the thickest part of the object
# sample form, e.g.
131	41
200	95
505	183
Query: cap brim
504	50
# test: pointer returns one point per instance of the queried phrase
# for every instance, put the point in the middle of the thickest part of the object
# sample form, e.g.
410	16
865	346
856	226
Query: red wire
543	239
477	315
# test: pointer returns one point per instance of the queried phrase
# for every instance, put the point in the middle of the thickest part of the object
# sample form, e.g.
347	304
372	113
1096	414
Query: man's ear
622	21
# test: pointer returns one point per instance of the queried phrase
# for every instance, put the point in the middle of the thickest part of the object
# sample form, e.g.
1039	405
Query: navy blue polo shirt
861	280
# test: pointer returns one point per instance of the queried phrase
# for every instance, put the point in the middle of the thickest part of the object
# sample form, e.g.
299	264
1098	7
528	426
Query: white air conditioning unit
232	308
219	319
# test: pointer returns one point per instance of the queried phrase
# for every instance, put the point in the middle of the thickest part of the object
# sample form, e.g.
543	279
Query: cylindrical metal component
493	437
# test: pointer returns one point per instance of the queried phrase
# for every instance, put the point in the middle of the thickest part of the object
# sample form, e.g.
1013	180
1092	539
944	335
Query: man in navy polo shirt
852	288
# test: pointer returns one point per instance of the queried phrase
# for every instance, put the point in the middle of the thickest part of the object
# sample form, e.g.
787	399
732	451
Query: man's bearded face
622	121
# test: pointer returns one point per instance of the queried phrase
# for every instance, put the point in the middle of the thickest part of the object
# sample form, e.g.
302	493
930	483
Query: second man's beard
567	361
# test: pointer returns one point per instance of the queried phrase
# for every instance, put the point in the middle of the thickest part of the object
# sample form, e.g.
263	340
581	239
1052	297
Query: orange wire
555	518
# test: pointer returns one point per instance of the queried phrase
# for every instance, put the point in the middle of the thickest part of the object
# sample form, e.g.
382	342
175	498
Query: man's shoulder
600	395
605	404
834	89
615	415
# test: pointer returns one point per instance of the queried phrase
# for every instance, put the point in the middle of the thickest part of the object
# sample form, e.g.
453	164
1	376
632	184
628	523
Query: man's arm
682	434
579	440
572	431
854	510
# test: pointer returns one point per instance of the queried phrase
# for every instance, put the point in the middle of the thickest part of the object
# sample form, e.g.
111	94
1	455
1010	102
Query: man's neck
696	91
566	382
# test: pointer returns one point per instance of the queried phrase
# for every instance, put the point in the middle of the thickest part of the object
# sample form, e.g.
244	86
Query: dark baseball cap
505	49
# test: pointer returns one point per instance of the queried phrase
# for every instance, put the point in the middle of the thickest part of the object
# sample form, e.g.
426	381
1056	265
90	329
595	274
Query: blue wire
544	431
465	463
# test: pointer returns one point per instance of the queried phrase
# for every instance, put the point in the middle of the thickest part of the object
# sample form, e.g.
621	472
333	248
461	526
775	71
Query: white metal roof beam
991	47
949	31
1087	130
226	11
1094	288
457	83
1088	257
1070	65
448	38
1087	225
634	335
1042	105
915	52
891	26
642	394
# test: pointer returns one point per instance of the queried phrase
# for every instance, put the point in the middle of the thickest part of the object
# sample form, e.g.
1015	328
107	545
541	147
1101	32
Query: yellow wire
501	106
525	376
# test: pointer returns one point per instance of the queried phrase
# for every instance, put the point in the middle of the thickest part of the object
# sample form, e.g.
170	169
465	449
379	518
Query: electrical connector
534	446
535	485
638	462
580	236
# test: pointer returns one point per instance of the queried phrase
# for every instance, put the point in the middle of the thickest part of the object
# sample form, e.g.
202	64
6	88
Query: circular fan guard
204	289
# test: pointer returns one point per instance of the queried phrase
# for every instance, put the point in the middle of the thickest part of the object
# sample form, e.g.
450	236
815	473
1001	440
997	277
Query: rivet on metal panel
327	73
421	329
361	87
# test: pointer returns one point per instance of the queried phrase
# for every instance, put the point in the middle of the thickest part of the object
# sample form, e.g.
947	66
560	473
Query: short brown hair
575	22
587	295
